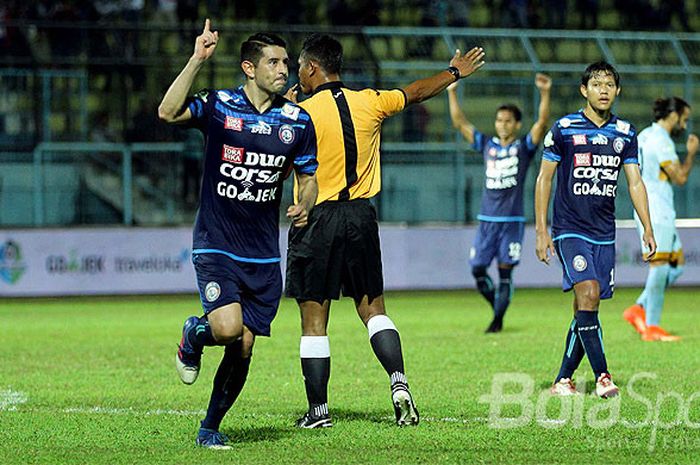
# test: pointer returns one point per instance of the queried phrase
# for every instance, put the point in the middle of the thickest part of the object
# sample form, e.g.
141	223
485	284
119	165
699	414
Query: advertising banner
53	262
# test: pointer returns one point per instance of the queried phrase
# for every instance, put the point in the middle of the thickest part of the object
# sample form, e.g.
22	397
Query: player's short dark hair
252	49
665	106
600	67
324	49
517	114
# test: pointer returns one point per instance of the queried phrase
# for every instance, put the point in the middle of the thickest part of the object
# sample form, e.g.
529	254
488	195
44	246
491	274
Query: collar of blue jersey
328	85
278	101
612	119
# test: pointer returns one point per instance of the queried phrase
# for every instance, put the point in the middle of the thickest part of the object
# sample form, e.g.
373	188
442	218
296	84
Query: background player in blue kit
586	149
501	220
254	138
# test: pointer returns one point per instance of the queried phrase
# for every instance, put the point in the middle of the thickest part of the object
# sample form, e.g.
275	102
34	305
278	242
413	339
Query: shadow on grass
378	416
259	434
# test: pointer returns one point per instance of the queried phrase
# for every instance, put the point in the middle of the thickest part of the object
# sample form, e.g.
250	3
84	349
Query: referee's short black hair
665	106
324	49
252	49
600	67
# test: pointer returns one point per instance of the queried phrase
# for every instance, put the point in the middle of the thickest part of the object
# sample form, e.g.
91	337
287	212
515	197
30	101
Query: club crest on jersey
580	139
513	151
261	127
492	152
212	291
622	126
232	154
565	122
234	124
618	144
579	263
290	111
286	134
582	159
599	139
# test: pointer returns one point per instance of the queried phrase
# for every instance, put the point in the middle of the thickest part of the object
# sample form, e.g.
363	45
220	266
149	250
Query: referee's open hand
205	44
469	62
298	214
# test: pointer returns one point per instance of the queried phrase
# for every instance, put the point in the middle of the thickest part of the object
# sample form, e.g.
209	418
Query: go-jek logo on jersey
12	266
249	169
592	170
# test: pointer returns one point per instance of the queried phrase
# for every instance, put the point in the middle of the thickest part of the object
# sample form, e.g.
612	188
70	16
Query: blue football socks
573	353
588	327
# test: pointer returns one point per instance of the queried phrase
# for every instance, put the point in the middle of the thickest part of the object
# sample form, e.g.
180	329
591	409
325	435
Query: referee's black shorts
338	249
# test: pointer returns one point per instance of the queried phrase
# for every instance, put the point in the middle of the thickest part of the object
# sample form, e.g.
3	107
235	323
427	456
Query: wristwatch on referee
453	70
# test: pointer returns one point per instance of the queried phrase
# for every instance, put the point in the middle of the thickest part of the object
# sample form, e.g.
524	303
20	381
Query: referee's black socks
315	353
386	344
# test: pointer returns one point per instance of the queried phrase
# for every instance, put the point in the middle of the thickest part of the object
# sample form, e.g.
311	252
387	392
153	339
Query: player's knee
313	324
226	332
587	295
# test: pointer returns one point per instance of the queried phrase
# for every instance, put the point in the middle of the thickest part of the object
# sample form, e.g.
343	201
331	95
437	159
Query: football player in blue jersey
501	219
587	150
254	138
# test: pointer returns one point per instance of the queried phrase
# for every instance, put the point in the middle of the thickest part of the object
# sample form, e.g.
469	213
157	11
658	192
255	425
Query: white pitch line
9	400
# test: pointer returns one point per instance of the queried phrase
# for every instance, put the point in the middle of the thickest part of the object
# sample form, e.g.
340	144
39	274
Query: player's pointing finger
207	25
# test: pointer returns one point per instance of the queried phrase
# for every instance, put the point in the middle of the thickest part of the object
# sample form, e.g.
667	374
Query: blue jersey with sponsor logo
590	159
247	156
506	167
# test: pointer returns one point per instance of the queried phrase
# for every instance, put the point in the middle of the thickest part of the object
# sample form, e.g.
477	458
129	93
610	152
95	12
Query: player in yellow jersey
661	168
339	248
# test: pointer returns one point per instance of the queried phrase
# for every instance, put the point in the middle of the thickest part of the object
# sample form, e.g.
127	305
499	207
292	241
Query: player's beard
677	131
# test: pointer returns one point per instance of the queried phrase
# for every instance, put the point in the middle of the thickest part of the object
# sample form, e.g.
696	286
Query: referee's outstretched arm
461	66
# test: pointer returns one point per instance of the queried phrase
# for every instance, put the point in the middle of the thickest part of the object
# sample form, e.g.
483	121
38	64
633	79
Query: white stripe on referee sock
379	323
314	347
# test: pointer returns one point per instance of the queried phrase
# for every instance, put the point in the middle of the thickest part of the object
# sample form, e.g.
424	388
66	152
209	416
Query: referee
339	248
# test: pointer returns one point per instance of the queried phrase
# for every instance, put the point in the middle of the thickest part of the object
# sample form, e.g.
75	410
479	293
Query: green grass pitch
92	381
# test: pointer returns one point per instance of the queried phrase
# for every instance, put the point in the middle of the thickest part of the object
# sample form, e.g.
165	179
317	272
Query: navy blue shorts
502	241
583	261
257	287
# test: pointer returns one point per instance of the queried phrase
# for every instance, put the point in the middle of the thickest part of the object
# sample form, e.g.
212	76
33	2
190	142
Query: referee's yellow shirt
348	125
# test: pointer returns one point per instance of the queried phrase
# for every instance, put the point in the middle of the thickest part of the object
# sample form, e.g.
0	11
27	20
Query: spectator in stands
555	13
514	13
670	8
587	12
